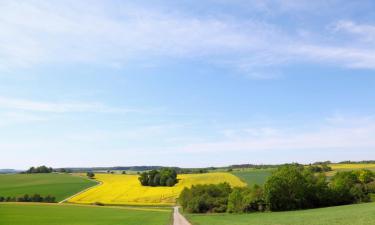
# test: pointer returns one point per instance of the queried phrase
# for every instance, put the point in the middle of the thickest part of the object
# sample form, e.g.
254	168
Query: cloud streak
49	107
336	133
37	32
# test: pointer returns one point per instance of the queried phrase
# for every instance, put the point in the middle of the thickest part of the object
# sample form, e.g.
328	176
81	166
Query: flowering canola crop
352	166
119	189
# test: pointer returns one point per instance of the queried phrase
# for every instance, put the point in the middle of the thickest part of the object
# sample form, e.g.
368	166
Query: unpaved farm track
179	219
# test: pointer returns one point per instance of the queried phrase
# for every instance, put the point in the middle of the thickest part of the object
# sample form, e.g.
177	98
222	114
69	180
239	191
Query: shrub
350	187
27	198
90	175
245	199
205	198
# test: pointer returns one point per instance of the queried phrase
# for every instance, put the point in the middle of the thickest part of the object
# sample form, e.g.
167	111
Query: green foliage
319	168
365	176
90	175
162	177
40	169
246	199
294	187
352	186
205	198
27	198
290	188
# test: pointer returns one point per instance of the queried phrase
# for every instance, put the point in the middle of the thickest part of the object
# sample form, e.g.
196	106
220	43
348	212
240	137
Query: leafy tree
246	199
350	187
90	175
365	176
163	177
205	198
294	187
285	189
40	169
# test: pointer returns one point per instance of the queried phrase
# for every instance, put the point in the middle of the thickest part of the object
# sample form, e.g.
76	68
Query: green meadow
358	214
60	186
64	214
253	176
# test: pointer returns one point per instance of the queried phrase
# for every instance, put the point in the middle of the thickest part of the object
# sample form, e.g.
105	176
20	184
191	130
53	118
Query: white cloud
38	106
336	133
43	32
351	57
365	31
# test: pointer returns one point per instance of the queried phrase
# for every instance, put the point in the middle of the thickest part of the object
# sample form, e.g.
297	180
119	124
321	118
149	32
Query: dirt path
179	219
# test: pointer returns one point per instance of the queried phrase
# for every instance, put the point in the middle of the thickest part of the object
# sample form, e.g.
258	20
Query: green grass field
359	214
63	214
59	185
253	176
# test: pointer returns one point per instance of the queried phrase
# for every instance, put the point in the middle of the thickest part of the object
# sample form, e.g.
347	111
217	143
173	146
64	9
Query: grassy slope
59	185
360	214
47	214
251	177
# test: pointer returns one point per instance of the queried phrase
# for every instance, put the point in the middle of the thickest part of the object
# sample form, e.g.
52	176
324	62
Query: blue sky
186	83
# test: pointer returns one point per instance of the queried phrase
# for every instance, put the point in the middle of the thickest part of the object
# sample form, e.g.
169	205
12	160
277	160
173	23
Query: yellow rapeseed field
119	189
352	166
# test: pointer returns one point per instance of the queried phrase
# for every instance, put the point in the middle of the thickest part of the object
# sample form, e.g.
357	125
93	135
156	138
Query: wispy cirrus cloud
334	133
366	32
39	32
56	107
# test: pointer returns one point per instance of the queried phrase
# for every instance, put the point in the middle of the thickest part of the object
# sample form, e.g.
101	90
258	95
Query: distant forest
179	170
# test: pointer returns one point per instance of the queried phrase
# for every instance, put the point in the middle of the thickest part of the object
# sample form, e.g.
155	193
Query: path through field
179	219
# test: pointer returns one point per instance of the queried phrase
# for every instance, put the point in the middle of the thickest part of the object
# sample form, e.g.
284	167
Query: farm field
343	167
126	189
359	214
65	214
254	176
59	185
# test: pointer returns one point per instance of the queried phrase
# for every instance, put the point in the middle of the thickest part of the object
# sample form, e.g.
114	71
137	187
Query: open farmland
346	167
127	190
359	214
60	186
253	176
64	214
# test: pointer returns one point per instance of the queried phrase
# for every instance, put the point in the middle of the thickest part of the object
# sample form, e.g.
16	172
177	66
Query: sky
186	83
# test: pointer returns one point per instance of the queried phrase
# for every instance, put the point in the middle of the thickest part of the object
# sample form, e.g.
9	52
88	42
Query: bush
27	198
242	200
319	168
351	187
90	175
205	198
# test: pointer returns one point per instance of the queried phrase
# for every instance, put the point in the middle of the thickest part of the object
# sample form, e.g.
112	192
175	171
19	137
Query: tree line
39	169
290	187
29	198
162	177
